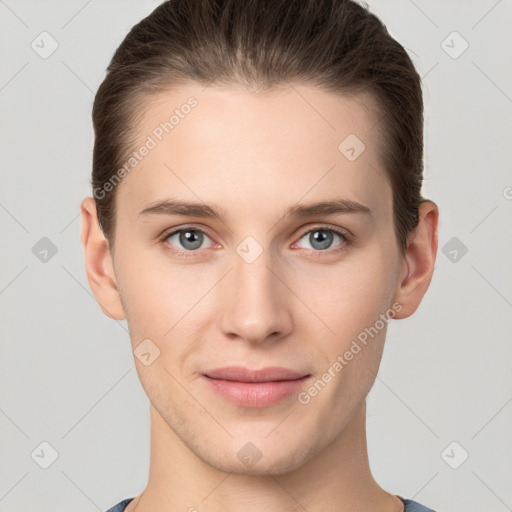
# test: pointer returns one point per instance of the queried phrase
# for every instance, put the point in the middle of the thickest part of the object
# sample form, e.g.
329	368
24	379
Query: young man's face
258	288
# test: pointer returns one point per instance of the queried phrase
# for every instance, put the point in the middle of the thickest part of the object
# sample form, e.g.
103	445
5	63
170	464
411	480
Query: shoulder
413	506
410	506
120	506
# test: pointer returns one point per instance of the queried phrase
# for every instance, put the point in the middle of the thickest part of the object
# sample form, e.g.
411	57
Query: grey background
67	374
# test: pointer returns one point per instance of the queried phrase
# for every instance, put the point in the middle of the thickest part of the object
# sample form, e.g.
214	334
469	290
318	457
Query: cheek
149	293
350	296
340	299
163	300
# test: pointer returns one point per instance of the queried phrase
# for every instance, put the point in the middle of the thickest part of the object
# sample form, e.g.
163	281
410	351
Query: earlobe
420	259
98	262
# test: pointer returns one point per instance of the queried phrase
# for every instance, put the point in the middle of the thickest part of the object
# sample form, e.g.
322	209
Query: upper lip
241	374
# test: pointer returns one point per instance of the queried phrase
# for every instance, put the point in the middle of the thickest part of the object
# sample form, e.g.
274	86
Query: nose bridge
255	306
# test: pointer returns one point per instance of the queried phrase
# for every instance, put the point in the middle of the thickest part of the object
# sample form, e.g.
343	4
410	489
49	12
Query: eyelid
344	234
172	231
330	227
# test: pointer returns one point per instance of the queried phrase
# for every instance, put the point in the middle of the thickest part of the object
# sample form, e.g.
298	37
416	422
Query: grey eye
189	239
321	239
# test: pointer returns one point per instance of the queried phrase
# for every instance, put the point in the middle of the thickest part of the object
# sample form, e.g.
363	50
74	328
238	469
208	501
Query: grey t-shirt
410	506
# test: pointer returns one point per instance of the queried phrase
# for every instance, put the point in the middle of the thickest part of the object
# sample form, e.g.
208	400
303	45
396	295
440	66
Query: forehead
244	149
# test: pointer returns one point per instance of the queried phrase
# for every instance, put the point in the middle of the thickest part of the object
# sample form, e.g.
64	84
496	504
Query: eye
321	238
190	239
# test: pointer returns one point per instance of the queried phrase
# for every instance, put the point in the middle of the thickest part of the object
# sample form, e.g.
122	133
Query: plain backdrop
440	412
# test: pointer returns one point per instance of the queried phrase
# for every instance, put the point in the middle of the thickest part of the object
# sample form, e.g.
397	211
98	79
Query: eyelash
346	240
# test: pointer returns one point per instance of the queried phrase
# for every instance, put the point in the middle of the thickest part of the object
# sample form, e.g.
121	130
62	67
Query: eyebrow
205	210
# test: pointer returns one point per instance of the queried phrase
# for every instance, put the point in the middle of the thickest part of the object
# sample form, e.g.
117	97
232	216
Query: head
254	111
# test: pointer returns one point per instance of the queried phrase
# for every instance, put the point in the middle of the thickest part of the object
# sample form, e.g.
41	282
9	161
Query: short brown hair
338	45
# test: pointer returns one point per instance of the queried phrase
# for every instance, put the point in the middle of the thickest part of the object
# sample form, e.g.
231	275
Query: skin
296	305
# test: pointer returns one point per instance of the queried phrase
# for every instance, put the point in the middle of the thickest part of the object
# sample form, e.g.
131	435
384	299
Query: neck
337	478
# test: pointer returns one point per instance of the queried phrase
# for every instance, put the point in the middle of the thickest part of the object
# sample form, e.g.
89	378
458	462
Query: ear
419	260
98	262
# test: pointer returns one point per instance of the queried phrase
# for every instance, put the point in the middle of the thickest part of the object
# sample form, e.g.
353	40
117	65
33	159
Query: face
266	282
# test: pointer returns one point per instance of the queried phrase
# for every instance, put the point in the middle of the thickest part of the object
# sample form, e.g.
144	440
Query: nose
256	302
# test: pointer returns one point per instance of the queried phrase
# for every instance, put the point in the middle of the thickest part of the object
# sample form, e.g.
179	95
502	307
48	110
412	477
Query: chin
256	458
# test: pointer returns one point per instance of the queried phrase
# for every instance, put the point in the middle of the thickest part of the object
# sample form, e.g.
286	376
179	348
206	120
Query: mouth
255	388
241	374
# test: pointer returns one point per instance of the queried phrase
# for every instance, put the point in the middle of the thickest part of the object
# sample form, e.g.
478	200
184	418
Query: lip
255	388
241	374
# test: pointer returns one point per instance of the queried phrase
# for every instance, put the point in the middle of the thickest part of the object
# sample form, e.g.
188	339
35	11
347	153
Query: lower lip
255	394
